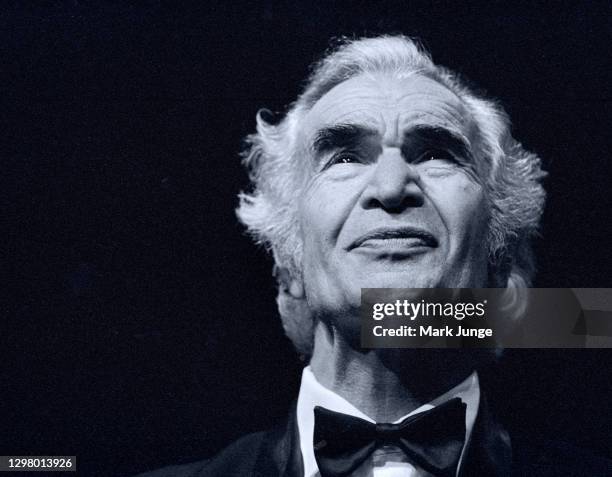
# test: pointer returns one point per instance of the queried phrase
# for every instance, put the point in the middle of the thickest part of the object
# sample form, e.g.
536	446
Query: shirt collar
312	393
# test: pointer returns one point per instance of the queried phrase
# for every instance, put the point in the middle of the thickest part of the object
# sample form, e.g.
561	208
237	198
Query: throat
386	384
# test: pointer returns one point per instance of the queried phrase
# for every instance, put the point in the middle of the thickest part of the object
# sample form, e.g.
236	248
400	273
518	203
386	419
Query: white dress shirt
387	461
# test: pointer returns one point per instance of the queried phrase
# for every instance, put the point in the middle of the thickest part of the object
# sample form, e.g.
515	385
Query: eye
343	158
437	156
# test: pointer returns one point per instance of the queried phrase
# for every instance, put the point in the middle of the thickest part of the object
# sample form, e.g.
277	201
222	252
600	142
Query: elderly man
388	172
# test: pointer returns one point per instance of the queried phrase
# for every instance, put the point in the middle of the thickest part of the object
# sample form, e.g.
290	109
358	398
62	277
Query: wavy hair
510	175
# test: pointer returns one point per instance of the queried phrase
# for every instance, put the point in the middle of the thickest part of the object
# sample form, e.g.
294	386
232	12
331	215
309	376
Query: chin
399	280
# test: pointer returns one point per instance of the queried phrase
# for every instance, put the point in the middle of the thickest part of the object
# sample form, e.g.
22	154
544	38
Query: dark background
139	322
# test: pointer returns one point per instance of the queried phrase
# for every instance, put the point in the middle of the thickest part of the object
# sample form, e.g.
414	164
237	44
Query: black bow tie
433	439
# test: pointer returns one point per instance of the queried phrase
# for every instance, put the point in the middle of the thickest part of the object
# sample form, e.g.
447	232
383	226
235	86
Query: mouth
408	239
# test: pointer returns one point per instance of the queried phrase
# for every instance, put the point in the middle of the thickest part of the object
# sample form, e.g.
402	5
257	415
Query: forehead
383	102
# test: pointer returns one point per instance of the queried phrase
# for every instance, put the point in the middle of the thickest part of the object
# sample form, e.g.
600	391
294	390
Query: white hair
511	176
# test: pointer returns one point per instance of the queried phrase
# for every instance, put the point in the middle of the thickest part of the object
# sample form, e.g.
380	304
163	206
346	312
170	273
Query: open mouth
401	238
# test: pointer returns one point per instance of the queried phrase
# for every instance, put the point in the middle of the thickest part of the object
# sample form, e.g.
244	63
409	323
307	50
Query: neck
385	384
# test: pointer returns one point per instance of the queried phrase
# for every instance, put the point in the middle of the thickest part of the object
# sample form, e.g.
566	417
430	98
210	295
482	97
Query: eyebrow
422	136
340	136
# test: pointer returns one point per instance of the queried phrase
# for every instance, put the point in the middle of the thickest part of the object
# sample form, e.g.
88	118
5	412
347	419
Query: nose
394	184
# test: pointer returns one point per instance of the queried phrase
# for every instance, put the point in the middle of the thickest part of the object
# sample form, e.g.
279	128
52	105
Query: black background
139	322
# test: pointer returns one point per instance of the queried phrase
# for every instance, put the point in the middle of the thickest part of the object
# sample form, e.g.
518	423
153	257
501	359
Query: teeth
406	241
395	238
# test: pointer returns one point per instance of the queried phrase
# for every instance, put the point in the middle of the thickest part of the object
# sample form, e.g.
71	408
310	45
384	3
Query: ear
288	284
296	289
295	314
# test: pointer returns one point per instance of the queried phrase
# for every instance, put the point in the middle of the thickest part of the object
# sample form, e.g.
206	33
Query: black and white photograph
201	198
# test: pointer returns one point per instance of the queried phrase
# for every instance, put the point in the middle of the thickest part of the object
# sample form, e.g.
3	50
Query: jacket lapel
489	450
279	454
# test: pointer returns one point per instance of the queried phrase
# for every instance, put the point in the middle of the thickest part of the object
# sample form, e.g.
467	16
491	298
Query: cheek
467	211
323	210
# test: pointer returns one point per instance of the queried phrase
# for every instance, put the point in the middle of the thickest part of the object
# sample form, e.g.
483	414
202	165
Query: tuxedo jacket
490	453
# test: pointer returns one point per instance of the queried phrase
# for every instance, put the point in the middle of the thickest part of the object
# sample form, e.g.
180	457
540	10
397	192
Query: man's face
393	200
